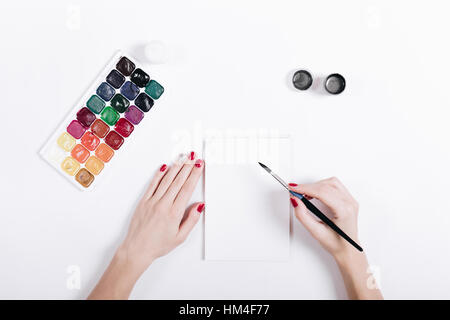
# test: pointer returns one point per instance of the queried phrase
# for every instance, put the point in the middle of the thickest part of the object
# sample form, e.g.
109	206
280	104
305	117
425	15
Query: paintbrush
313	208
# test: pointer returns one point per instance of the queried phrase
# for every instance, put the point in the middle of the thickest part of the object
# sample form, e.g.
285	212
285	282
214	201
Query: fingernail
200	207
294	202
163	168
198	163
192	156
293	184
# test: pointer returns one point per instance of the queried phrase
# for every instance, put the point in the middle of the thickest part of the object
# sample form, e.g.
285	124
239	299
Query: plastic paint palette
102	122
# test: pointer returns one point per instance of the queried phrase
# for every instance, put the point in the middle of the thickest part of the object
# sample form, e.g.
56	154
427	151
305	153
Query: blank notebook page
247	210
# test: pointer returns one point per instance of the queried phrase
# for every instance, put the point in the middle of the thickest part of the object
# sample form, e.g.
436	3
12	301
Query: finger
169	177
191	220
309	222
327	191
180	180
155	181
292	185
189	186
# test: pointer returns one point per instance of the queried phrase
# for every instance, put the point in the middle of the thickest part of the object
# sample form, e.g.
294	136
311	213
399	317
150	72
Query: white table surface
229	66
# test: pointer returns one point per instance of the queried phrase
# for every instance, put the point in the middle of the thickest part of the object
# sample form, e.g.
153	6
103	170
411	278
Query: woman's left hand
159	224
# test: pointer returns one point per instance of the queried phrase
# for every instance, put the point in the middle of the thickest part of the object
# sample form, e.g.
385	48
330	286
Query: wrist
118	279
355	272
127	263
349	258
348	255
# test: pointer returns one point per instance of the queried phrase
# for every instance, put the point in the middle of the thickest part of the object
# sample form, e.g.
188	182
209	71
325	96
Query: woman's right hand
352	263
345	214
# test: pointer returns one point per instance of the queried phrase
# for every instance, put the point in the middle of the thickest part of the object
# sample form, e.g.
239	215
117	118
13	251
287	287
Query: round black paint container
302	80
335	83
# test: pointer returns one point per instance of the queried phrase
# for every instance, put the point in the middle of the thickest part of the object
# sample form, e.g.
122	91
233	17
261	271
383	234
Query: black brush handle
325	219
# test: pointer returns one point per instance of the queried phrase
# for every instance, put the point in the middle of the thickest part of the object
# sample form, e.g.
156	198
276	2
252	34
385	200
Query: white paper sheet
247	210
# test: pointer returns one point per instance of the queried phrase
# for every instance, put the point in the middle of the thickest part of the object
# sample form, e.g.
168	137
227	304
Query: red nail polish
163	168
192	155
200	207
293	184
198	163
294	202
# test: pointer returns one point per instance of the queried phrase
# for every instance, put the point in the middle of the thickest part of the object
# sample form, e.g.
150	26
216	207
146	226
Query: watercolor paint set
102	122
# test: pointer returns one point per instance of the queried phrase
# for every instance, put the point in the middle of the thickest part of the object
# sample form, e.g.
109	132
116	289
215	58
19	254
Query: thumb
193	215
308	221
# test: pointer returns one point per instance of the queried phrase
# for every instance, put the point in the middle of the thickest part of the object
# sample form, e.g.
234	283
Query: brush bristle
264	166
